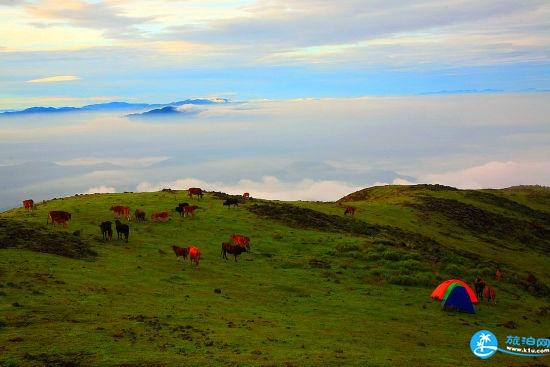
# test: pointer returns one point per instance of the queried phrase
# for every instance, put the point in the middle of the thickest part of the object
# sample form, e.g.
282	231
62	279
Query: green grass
301	297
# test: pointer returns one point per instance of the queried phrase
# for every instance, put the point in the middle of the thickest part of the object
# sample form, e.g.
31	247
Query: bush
454	270
420	279
392	255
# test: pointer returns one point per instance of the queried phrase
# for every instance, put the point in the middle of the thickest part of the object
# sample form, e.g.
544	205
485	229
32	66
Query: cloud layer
53	79
292	149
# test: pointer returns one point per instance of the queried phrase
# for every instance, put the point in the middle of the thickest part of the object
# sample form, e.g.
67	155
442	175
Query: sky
74	52
327	97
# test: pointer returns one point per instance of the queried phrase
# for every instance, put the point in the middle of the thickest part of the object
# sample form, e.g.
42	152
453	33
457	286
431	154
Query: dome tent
439	291
455	294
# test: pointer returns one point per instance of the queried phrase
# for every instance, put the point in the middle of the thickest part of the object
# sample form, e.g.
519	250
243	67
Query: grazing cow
350	210
240	240
234	250
231	201
28	204
246	196
479	285
195	191
122	230
121	210
106	230
490	294
162	216
59	217
189	210
498	275
194	254
180	208
181	252
140	215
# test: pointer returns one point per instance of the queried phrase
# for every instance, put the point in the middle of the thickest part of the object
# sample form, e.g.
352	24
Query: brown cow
140	215
490	294
28	204
240	240
234	250
121	210
195	191
180	252
194	254
59	217
162	216
180	207
350	210
189	210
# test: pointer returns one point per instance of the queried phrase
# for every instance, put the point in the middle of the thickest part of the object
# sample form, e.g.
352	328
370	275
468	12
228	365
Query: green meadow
317	288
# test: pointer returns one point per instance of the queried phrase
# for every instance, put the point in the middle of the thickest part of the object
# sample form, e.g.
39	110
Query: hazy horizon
303	149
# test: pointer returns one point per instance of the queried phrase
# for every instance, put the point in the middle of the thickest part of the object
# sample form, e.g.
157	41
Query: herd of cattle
237	243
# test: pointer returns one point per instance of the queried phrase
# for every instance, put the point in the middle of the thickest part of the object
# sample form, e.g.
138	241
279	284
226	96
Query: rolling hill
318	288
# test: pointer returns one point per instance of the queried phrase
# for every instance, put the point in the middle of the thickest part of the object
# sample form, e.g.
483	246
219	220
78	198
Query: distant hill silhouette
118	106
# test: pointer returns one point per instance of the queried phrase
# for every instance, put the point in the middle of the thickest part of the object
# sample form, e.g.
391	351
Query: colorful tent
455	295
458	300
440	292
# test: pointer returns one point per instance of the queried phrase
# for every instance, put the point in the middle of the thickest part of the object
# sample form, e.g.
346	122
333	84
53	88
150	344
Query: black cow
180	207
122	230
231	201
106	230
235	250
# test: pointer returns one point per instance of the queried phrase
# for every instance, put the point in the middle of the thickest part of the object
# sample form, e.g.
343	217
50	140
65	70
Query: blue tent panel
458	300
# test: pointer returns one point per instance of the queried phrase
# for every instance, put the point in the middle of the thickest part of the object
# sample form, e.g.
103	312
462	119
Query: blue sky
75	52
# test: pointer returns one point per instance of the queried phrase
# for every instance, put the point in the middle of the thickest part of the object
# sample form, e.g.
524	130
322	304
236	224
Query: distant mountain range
165	111
121	106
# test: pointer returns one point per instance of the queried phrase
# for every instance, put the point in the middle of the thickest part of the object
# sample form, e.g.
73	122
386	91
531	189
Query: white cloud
53	79
397	181
269	187
494	174
124	162
101	190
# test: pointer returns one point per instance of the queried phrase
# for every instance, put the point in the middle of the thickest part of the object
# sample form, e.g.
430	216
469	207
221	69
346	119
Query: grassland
317	288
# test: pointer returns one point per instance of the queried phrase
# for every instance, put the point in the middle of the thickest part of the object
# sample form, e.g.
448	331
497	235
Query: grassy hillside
317	288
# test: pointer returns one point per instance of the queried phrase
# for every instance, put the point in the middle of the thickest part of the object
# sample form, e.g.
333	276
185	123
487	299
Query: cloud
11	2
105	16
381	32
123	162
53	79
269	187
495	174
100	190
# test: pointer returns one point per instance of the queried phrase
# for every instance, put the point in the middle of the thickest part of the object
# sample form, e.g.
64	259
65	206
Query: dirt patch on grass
39	238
